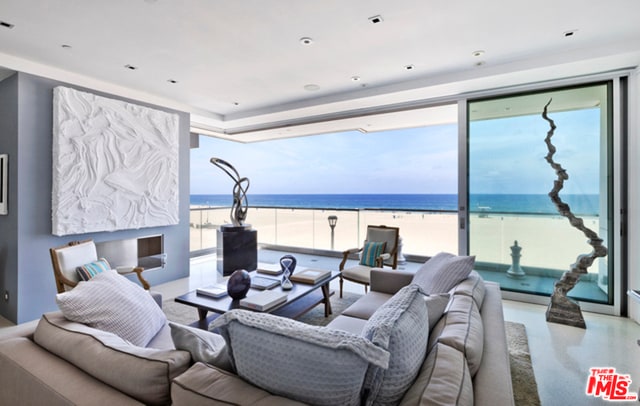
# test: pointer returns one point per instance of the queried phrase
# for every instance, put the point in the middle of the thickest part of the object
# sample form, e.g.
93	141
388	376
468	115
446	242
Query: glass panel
516	232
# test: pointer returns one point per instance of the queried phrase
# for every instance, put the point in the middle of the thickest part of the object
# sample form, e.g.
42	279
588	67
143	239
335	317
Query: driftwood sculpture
240	187
561	309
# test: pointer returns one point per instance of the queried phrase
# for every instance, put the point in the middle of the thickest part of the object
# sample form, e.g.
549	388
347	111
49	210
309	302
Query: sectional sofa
456	352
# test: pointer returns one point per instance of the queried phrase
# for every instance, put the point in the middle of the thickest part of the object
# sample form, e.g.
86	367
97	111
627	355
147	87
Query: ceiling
258	69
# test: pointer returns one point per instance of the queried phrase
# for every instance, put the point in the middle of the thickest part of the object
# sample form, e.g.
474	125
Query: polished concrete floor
561	355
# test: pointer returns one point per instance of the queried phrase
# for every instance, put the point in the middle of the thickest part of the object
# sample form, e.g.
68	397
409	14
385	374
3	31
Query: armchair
380	248
68	258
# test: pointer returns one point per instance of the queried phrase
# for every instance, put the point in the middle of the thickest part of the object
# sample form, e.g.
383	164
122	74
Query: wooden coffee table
300	299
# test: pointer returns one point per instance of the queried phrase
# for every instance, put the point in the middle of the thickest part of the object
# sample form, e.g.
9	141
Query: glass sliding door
515	231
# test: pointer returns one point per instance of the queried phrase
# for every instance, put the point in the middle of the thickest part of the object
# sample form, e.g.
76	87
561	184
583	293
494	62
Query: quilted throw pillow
204	346
371	251
112	303
311	364
400	326
88	271
442	272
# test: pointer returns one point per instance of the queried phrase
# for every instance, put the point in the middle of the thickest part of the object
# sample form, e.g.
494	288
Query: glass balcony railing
425	233
309	228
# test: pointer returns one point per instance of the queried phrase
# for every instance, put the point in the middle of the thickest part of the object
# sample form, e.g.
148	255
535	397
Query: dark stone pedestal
237	248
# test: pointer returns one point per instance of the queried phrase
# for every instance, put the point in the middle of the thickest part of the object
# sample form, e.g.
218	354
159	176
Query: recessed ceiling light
477	53
311	87
479	63
172	81
409	67
131	67
66	46
306	41
355	78
6	24
569	33
376	19
236	103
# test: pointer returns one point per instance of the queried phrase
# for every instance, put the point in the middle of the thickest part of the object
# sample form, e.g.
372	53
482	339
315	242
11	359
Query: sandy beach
546	241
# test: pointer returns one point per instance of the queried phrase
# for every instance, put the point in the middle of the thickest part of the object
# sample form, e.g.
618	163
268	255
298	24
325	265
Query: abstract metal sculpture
240	202
562	309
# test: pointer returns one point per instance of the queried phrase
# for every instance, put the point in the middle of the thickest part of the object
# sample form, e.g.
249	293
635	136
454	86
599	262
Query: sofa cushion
442	272
364	307
358	273
461	328
207	385
31	375
311	364
88	271
204	346
444	380
472	286
347	323
400	326
142	373
436	305
371	251
111	302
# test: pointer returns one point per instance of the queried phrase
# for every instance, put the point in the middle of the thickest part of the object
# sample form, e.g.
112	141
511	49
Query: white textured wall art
115	164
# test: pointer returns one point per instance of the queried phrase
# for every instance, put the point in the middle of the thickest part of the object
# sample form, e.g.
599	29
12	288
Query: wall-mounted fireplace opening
126	254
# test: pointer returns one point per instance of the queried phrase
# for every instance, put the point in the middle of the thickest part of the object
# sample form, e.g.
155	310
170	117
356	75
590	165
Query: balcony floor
544	285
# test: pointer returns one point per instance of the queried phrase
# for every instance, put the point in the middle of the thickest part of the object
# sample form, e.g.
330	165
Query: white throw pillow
112	303
204	346
442	272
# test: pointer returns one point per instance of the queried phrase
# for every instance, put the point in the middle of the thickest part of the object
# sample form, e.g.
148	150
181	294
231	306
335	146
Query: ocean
491	203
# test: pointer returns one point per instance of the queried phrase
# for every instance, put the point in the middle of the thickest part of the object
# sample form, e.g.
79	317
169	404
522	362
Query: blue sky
421	160
507	156
519	144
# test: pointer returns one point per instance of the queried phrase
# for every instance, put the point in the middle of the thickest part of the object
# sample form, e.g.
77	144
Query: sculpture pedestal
565	311
237	248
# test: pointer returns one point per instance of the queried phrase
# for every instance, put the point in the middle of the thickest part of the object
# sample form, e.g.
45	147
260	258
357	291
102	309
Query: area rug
525	389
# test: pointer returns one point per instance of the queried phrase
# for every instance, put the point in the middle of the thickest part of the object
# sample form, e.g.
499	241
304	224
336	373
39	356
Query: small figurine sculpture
288	265
240	203
515	271
238	284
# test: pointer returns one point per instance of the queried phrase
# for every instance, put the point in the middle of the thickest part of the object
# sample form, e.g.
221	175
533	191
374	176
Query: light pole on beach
332	223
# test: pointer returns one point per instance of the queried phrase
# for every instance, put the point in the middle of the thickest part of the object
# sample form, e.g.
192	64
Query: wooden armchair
68	258
380	249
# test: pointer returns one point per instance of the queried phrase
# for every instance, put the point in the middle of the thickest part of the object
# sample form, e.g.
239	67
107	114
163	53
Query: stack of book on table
215	291
264	301
310	276
269	269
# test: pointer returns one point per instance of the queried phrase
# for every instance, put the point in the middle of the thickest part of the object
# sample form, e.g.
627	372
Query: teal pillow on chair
88	271
371	251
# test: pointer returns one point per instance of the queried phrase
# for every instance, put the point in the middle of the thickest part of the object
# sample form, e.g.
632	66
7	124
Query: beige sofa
467	360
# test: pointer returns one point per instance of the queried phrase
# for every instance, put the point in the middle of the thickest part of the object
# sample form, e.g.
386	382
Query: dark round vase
239	284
